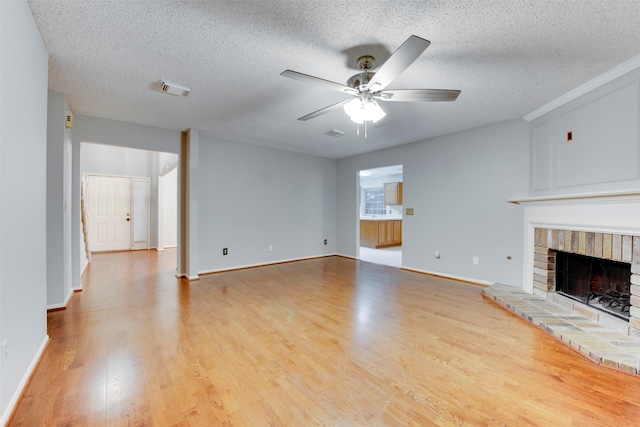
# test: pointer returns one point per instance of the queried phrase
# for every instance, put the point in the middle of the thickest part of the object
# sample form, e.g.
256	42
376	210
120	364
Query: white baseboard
186	276
261	264
450	276
25	380
345	256
63	305
86	264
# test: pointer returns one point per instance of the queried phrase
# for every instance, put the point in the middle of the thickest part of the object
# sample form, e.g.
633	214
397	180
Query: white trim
630	194
601	80
63	305
264	264
592	228
85	267
449	276
189	278
25	380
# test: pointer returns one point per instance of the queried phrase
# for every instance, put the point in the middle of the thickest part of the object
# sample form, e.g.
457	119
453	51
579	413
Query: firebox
600	283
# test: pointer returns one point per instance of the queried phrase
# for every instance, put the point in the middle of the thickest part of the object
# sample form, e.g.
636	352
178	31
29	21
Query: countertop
381	218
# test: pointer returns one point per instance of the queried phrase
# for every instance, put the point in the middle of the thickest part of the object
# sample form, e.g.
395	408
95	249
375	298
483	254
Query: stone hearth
588	337
616	247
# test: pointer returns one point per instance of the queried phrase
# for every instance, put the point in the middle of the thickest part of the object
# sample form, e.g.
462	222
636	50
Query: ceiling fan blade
417	95
323	110
318	81
398	62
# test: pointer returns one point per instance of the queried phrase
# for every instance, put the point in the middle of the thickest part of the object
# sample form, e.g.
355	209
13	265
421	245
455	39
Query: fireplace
600	270
603	225
600	283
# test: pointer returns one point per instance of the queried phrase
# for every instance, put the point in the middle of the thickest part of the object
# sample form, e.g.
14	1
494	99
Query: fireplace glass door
601	283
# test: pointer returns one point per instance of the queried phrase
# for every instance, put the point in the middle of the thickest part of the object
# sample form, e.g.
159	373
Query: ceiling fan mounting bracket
365	62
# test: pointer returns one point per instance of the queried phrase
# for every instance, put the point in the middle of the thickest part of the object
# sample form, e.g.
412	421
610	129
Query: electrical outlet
225	251
476	260
270	248
5	352
325	241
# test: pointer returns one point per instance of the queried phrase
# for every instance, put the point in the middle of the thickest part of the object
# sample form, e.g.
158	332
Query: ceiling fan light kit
369	87
360	111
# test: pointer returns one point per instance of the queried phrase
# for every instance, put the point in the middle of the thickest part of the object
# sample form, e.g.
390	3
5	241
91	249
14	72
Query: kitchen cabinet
393	193
380	233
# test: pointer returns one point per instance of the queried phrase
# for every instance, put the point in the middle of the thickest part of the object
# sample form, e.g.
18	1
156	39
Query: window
374	201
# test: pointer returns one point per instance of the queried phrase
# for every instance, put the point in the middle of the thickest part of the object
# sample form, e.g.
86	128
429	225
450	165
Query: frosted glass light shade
363	110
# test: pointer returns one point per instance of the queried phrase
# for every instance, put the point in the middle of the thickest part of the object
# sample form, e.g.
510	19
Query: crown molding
602	79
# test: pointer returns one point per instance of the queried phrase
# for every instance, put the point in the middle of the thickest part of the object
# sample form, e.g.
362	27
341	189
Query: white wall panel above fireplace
604	145
592	143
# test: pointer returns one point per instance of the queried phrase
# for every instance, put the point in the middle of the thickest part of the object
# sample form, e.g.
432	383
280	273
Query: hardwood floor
331	341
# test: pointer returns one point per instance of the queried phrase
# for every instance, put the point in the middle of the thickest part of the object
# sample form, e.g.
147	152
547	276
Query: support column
188	212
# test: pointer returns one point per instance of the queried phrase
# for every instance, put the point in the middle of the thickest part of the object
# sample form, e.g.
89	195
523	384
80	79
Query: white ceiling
508	58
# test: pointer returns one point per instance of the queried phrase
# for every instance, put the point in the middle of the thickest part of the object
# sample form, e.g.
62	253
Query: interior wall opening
380	215
130	200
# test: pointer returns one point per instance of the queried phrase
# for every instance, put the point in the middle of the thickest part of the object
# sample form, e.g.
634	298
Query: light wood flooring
330	341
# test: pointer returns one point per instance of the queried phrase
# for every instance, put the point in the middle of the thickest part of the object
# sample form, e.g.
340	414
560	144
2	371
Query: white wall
252	197
117	161
458	185
168	189
58	200
379	181
23	150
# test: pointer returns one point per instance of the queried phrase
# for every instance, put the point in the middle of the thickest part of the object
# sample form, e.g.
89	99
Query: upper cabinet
393	193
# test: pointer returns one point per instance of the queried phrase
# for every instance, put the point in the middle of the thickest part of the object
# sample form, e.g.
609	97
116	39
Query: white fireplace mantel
577	197
611	212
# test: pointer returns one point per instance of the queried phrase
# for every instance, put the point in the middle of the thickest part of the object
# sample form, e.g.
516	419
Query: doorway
131	198
380	215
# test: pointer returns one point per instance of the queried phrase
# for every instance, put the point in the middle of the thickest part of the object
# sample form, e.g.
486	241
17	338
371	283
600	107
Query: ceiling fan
368	87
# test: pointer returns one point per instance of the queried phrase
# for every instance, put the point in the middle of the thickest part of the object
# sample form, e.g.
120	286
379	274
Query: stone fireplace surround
600	225
616	247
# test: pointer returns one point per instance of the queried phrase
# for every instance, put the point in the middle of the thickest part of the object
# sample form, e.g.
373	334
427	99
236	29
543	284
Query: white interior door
109	213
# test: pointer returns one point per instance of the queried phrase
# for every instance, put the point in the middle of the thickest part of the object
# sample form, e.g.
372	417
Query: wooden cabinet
380	233
393	193
397	232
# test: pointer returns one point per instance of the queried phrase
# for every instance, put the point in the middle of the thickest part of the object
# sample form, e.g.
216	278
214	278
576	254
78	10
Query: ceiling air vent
334	133
174	88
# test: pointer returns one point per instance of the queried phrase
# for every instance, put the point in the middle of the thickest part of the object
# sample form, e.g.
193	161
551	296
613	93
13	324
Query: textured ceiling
508	58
